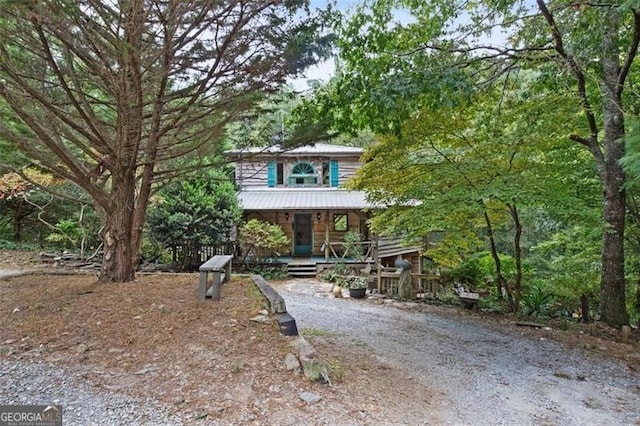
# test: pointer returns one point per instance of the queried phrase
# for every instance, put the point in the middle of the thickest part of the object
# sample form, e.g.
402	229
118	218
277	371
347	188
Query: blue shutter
334	173
271	174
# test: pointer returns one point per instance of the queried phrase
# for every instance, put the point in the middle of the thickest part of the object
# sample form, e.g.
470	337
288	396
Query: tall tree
109	94
471	167
389	69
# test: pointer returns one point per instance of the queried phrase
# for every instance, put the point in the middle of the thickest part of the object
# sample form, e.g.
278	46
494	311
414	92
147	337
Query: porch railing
423	285
330	250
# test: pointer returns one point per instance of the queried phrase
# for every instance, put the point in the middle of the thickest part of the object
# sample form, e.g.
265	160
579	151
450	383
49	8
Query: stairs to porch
301	269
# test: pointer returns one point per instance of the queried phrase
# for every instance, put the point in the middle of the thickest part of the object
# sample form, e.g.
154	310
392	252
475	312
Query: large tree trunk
612	288
122	232
117	265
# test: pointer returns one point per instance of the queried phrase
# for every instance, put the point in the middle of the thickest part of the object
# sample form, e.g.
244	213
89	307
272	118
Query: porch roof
302	198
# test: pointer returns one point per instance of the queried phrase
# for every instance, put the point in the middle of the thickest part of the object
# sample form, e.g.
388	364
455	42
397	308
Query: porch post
326	234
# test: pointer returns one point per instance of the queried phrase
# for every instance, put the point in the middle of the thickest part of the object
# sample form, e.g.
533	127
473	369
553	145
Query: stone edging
277	306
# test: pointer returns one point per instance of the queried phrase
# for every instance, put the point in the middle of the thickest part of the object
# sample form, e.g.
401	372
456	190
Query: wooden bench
216	265
469	299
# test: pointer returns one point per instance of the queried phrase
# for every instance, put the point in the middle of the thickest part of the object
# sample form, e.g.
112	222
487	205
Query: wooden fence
201	254
423	285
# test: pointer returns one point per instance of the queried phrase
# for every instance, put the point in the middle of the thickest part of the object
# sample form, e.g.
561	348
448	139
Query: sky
325	70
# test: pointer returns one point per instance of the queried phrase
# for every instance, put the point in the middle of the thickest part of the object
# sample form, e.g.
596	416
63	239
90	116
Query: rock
33	353
310	397
265	319
405	289
292	363
337	291
145	370
243	393
312	367
316	371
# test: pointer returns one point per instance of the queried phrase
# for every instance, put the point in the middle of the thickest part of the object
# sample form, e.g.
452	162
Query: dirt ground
204	359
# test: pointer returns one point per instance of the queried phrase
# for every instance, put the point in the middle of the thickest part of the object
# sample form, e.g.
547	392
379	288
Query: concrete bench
216	265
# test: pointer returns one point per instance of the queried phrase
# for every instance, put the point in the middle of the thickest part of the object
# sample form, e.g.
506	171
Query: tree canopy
112	95
394	73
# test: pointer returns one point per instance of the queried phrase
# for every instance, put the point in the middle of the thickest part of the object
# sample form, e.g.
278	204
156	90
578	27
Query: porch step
302	269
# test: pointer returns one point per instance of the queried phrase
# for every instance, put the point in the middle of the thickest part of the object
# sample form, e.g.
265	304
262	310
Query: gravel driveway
487	374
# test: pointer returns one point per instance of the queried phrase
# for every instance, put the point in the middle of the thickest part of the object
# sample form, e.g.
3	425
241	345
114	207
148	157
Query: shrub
352	245
536	301
194	213
260	240
270	272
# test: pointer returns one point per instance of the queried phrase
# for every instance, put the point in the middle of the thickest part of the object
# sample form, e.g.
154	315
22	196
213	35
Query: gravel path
26	383
488	376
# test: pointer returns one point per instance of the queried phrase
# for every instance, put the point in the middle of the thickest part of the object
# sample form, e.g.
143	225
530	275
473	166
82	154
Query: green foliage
194	213
479	271
121	98
67	234
537	301
631	159
466	122
12	245
330	275
153	251
270	272
493	304
448	297
354	282
261	240
569	264
352	245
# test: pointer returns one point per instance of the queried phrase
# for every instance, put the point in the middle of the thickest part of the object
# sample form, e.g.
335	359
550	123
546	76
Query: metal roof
302	198
315	149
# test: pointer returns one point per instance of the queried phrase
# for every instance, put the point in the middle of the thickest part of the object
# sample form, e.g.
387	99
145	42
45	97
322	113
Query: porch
311	266
382	279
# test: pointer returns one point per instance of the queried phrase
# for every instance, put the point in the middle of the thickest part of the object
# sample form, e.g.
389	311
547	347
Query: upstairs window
325	174
279	174
303	174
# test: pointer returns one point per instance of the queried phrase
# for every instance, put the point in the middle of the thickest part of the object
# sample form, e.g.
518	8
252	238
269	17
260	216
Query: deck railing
330	250
423	285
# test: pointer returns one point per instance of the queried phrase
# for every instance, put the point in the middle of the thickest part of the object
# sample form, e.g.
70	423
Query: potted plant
357	286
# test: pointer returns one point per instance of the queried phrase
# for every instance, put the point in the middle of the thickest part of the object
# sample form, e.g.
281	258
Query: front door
302	234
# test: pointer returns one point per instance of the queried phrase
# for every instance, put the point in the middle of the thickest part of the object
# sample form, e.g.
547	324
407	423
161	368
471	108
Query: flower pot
357	293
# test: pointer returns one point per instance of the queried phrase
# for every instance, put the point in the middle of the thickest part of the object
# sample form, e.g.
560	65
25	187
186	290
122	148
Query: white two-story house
302	190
